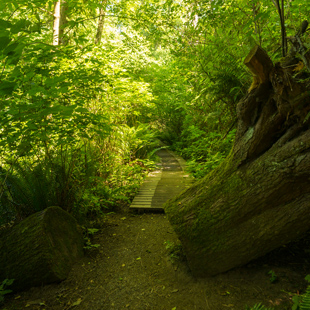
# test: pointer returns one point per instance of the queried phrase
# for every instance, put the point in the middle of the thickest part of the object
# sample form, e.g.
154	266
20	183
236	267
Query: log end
41	249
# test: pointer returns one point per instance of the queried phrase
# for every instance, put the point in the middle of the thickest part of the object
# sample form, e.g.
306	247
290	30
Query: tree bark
258	199
100	22
56	23
41	249
280	9
59	23
62	23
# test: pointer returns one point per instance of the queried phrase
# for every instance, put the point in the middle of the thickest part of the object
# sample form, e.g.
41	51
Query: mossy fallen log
258	199
41	249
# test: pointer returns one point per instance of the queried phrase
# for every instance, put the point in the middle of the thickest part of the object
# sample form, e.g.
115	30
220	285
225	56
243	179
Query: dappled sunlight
108	108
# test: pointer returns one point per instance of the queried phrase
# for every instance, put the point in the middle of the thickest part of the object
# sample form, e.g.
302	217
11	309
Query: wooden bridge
162	184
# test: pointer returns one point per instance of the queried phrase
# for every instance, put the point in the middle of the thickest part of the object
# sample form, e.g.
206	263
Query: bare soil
139	266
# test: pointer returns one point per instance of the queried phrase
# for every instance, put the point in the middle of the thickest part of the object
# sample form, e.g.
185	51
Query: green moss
207	205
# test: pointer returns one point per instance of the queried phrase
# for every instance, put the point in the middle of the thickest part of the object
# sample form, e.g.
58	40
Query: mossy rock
41	249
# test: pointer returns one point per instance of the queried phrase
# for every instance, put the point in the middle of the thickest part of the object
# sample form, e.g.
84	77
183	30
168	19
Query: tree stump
259	198
259	63
41	249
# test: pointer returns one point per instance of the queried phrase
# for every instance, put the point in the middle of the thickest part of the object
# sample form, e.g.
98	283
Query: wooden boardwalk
162	184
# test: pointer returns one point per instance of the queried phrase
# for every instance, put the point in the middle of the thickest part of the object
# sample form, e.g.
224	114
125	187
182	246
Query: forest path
138	266
162	184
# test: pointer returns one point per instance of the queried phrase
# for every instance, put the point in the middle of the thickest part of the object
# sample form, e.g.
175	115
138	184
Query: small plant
88	233
257	307
3	290
296	302
305	303
175	251
273	276
302	302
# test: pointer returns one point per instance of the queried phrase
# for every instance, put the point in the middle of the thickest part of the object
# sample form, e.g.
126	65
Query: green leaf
6	88
306	118
77	302
14	52
11	47
32	126
67	111
4	41
4	24
81	110
5	292
20	25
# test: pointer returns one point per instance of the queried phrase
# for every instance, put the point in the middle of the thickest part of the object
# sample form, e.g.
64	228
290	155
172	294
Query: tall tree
60	21
102	13
56	22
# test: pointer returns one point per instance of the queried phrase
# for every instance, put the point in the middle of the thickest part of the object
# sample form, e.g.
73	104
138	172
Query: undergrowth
204	151
3	289
300	302
86	179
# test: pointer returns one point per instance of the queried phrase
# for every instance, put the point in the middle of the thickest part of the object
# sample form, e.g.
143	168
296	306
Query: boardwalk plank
162	184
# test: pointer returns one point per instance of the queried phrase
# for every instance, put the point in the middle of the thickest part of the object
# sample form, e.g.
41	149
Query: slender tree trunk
100	23
280	9
62	23
56	23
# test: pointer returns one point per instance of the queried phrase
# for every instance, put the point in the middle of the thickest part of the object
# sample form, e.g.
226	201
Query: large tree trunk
41	249
259	197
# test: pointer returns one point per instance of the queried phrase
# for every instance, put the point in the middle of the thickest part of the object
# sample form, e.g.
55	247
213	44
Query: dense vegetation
89	88
84	102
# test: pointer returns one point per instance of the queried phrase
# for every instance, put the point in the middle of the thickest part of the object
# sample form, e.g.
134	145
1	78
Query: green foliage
79	122
26	190
273	276
3	289
205	151
305	303
134	142
71	116
296	302
302	302
258	307
88	234
32	184
84	181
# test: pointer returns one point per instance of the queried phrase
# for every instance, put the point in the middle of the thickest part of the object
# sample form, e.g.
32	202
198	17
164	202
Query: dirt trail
132	269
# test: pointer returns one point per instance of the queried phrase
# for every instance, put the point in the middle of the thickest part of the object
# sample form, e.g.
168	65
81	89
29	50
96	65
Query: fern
259	307
27	189
305	304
